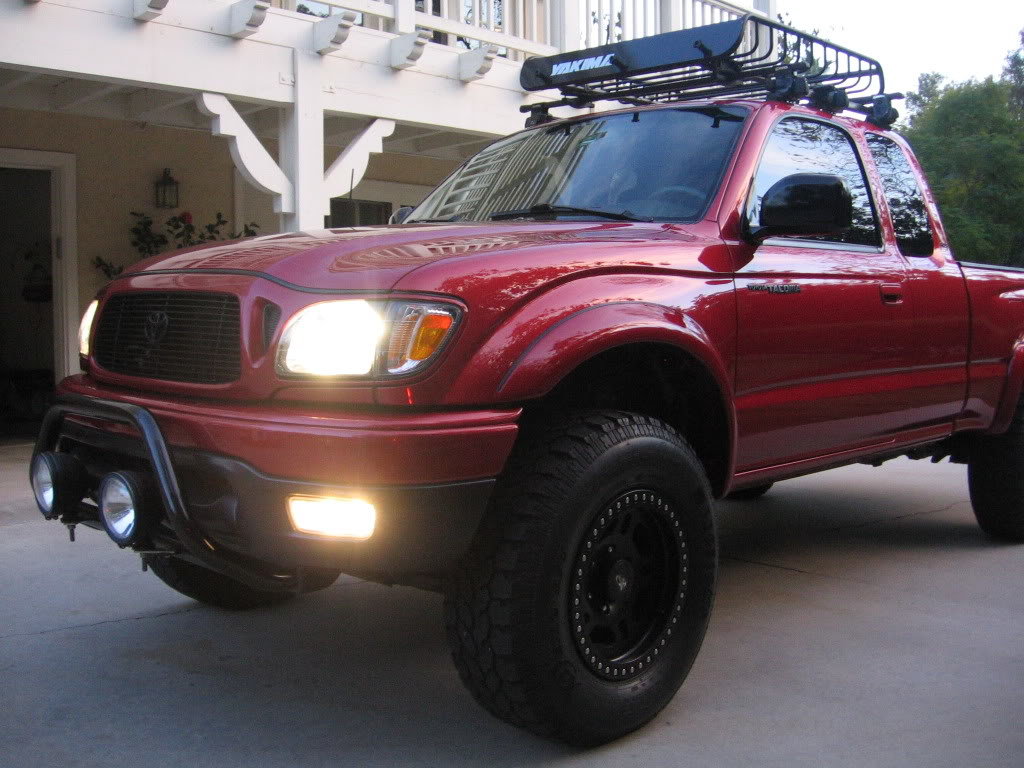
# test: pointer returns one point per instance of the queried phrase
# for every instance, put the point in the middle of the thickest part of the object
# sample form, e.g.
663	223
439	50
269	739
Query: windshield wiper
541	209
453	217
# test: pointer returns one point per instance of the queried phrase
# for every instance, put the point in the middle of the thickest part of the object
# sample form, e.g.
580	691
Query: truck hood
377	258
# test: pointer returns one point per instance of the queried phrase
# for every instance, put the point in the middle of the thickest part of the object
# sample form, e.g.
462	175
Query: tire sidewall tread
518	570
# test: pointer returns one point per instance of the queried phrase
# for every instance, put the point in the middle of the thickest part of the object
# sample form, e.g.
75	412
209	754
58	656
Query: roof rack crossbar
747	56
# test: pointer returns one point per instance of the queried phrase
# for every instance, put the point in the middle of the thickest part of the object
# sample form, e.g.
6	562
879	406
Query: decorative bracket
350	166
476	63
331	33
246	17
407	49
147	10
250	156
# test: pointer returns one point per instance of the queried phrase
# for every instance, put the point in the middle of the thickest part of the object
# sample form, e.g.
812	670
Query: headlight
85	329
355	337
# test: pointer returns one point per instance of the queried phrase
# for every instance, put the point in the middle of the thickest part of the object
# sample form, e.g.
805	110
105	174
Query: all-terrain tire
221	591
514	623
995	476
749	494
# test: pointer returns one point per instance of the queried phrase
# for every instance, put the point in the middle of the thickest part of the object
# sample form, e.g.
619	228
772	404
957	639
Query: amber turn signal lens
429	336
418	333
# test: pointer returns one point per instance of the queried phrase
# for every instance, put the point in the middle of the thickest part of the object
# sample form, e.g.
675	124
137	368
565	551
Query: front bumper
231	516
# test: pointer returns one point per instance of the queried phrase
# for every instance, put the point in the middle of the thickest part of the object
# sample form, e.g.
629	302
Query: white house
291	116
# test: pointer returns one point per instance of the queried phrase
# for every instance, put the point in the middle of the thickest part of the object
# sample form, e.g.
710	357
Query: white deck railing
521	28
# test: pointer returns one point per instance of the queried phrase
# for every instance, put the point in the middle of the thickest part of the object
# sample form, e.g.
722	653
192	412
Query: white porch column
568	15
672	15
301	149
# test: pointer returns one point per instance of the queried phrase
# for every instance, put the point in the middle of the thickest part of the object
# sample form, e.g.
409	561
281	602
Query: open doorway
39	292
26	300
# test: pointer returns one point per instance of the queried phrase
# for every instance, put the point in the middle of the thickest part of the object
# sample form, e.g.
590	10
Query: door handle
892	293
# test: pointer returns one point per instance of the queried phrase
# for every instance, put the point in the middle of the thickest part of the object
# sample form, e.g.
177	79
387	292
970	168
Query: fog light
122	500
332	516
59	482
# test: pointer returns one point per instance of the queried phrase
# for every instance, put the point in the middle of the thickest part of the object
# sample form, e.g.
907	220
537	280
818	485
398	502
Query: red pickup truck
529	393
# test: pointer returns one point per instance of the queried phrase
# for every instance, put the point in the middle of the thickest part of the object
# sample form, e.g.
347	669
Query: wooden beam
251	158
331	33
11	79
145	105
251	109
448	141
246	17
75	93
147	10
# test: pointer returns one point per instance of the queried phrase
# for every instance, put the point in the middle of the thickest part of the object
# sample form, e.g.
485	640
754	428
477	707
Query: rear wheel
995	475
586	595
222	591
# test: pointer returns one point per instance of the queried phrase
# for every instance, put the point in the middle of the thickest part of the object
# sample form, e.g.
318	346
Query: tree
969	137
1013	73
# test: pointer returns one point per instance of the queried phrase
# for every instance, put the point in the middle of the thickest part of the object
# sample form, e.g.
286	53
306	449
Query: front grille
173	335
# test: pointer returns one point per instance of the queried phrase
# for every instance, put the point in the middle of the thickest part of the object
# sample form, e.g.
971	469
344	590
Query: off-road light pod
125	506
59	482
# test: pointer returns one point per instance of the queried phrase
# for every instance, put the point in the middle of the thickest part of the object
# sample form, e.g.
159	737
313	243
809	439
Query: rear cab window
904	195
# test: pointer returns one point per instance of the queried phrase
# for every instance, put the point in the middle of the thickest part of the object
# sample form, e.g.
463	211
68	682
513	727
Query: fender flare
588	332
1007	407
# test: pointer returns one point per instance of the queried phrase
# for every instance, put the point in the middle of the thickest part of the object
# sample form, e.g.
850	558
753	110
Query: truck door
824	324
936	385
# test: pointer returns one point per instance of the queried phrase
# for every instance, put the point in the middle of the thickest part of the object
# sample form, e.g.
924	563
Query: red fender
1012	392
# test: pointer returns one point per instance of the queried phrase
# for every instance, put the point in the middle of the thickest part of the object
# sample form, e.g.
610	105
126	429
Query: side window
903	192
810	146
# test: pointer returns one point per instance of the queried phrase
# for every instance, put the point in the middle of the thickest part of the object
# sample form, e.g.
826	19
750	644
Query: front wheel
586	595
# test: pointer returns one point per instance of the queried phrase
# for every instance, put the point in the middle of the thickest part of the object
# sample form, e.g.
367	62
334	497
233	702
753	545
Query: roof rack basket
746	57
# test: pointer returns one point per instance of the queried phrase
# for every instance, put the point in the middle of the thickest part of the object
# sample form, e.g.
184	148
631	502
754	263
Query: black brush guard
176	512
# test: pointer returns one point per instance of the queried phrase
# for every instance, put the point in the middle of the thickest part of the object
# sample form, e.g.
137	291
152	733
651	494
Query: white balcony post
405	16
672	15
569	17
302	145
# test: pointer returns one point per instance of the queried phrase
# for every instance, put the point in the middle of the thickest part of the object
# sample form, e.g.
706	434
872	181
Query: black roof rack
750	56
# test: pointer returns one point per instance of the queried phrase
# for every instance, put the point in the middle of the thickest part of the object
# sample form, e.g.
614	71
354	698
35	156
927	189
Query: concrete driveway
862	620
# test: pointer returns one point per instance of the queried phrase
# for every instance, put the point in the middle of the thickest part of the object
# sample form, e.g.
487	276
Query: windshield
654	165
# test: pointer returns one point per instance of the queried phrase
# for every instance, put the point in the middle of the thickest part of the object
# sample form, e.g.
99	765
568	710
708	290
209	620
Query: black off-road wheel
585	597
995	475
749	494
221	591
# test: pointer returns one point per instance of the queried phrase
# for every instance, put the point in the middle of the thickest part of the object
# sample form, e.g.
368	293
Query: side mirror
804	204
400	215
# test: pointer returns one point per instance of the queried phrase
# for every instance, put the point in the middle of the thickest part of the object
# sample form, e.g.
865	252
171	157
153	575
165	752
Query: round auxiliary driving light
59	482
122	502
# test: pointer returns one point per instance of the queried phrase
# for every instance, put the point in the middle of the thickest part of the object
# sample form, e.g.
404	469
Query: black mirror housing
400	215
804	204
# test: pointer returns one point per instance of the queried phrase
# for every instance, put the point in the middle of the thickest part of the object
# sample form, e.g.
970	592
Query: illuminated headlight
334	517
85	328
355	337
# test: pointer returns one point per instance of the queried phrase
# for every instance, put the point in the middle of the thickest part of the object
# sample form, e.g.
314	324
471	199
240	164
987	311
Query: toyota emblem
156	326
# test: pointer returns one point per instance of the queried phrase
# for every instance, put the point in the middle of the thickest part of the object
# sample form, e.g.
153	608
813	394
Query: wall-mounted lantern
166	191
